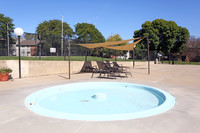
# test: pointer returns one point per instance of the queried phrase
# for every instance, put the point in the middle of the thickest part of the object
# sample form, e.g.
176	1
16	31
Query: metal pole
69	58
148	54
102	57
36	47
102	54
115	55
62	39
8	40
64	51
19	57
40	48
133	59
172	59
86	54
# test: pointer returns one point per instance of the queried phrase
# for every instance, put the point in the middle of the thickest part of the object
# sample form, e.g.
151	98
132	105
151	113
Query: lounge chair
106	70
102	69
87	67
123	69
120	66
108	63
116	71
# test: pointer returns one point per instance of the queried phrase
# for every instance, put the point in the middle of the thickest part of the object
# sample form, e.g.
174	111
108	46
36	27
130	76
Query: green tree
192	49
3	26
50	32
88	33
164	36
30	36
110	52
4	21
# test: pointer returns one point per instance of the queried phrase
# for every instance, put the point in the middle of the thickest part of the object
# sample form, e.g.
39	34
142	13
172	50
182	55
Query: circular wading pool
99	101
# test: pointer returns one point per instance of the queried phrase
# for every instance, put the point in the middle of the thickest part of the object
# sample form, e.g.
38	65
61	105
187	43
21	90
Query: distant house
28	47
193	53
125	56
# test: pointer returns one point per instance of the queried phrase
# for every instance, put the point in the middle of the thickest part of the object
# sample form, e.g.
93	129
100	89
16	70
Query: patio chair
122	69
108	63
120	66
87	67
116	70
102	69
106	70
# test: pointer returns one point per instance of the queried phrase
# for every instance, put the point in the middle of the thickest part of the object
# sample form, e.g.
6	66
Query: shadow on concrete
87	67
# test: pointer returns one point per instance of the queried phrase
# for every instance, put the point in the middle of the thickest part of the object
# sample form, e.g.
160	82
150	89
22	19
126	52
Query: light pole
19	32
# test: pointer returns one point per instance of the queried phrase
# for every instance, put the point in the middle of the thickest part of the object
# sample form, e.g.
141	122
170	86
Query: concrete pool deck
181	81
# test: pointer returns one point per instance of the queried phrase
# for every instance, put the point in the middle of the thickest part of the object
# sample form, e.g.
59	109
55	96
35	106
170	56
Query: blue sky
109	16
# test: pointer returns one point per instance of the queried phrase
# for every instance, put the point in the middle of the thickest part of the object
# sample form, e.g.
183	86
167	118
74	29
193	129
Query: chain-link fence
32	44
3	48
6	45
51	45
143	55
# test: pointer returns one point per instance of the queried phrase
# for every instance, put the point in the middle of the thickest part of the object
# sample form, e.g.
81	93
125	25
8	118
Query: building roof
29	42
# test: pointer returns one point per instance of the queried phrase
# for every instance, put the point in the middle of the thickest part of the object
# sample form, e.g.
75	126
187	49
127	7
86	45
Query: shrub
5	70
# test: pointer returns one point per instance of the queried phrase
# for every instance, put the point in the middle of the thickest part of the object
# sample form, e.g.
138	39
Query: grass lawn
182	63
82	58
60	58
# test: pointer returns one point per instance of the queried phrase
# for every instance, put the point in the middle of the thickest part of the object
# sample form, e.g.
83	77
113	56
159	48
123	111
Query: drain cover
84	101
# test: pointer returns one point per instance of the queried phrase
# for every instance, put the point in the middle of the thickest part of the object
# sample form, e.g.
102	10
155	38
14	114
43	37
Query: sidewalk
181	81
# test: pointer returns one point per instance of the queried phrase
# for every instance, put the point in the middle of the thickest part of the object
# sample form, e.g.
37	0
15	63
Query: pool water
99	101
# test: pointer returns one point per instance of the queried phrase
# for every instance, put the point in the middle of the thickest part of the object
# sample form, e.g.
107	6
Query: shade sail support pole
148	54
102	54
69	58
133	59
115	55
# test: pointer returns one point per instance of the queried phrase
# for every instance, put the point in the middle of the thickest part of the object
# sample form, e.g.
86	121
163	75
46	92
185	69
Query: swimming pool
99	101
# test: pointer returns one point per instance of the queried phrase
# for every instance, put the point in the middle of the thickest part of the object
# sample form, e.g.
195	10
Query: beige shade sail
124	47
96	45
